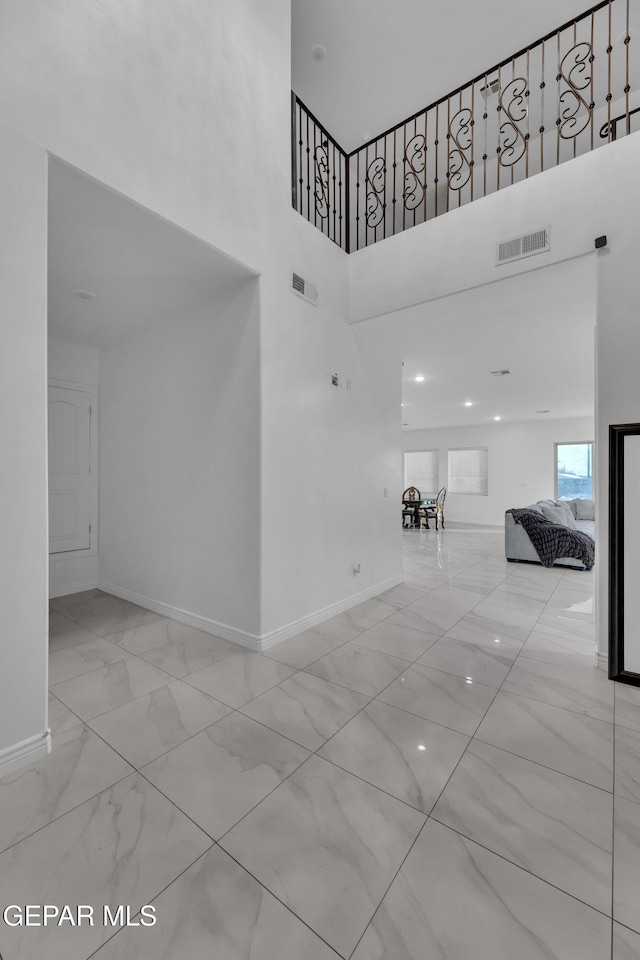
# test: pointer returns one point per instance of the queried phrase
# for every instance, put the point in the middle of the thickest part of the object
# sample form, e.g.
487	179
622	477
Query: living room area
497	391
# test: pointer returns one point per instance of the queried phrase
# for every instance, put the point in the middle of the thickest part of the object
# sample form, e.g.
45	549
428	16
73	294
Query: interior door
69	469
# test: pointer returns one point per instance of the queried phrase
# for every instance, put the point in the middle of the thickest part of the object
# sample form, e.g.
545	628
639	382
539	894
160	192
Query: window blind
469	471
421	470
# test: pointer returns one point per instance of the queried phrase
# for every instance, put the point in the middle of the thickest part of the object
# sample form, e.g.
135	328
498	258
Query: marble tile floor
441	772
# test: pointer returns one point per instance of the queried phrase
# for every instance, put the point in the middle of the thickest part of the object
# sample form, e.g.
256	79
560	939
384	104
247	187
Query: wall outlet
334	380
385	492
356	569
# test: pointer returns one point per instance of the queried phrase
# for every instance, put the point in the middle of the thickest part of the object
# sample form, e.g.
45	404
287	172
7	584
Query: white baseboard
601	660
244	638
28	751
464	524
72	588
305	623
224	630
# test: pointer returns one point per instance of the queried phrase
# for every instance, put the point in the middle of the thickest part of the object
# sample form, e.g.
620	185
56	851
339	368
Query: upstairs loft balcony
576	89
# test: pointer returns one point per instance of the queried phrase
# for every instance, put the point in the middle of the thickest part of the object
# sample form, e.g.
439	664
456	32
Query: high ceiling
383	62
139	268
386	60
539	326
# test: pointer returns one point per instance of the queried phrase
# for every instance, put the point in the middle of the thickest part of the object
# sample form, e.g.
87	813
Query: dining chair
435	511
411	505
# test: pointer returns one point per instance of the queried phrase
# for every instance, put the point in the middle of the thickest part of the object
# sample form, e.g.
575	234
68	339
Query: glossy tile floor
430	775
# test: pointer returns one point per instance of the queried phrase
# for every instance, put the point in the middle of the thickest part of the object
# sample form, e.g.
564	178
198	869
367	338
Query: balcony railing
566	94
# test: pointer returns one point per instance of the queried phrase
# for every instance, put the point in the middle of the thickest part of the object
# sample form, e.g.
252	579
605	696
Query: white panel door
69	469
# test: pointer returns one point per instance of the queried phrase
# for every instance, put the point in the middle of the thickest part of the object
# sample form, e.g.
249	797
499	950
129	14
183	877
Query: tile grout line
354	640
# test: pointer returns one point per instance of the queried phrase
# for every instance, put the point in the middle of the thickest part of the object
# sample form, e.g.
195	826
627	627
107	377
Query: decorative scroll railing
320	175
569	92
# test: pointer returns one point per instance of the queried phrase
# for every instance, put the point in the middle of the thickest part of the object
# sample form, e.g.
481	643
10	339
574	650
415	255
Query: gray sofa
518	546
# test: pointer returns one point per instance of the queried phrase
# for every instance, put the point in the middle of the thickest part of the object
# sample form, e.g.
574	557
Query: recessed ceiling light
421	746
418	379
318	52
85	295
468	403
497	418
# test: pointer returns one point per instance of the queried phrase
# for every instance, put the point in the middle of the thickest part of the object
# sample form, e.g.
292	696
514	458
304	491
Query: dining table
416	505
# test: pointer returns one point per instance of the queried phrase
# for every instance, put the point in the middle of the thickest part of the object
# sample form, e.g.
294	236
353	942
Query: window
469	471
421	471
574	470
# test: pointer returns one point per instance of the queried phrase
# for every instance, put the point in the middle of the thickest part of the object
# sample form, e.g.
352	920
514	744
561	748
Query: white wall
324	449
457	251
23	438
73	363
182	106
521	462
185	108
617	336
326	463
179	454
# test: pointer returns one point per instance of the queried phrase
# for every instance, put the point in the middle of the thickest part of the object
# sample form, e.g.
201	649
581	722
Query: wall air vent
500	373
524	246
301	287
490	88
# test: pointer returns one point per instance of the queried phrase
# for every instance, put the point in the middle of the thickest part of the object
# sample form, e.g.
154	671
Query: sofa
579	514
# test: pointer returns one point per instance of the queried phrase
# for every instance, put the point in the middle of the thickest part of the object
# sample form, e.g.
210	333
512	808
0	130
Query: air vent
524	246
500	373
490	89
308	291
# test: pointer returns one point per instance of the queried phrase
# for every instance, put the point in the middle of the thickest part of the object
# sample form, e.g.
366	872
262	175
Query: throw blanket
551	541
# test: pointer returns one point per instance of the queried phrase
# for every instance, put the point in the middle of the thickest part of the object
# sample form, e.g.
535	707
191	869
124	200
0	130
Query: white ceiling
388	59
141	268
538	325
384	61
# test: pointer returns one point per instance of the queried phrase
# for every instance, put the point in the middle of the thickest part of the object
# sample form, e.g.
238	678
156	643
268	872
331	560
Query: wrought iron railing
564	95
319	173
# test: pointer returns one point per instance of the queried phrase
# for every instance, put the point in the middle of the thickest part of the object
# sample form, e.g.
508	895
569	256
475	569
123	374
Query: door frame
92	390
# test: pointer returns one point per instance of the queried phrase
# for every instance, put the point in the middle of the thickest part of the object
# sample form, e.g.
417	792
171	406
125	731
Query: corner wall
325	449
23	438
185	109
179	455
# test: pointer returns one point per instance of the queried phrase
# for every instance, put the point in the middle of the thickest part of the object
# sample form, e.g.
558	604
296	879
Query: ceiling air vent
308	291
524	246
